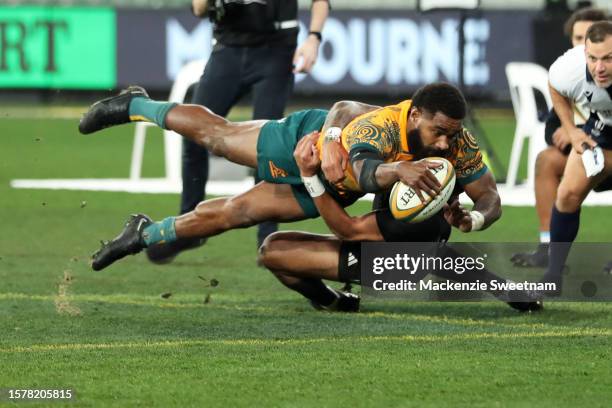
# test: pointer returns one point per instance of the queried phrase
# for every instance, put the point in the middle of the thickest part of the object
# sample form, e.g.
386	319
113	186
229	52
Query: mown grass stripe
279	342
124	299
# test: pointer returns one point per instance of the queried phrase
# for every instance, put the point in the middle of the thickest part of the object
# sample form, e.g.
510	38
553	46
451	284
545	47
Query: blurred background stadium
59	55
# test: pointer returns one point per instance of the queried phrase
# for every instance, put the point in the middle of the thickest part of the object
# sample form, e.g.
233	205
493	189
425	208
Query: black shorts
552	124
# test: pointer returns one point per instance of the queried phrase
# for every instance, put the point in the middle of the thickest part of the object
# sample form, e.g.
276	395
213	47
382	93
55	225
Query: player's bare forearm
563	108
486	198
386	174
343	112
489	205
345	227
339	222
413	174
334	156
199	7
318	15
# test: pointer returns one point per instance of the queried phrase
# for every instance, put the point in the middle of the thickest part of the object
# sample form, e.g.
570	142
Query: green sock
145	109
161	232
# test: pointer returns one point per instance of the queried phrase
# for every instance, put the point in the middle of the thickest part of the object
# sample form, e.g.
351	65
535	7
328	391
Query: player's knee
270	251
544	161
568	200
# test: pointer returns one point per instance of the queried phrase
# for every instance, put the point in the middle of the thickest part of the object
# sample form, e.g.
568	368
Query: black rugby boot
534	259
129	242
345	302
110	111
529	301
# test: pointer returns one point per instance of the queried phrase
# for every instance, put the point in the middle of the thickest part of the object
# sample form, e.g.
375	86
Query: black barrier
475	271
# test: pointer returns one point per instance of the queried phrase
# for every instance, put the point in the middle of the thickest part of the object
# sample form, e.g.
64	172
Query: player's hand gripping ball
407	206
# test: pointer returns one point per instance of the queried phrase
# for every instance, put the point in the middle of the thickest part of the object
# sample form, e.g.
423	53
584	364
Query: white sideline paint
521	195
189	75
512	194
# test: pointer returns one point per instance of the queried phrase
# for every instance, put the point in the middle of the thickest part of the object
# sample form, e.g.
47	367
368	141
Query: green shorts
275	146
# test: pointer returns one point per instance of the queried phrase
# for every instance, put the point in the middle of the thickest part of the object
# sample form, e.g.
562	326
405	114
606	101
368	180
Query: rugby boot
129	242
165	253
525	301
608	268
345	302
110	111
535	259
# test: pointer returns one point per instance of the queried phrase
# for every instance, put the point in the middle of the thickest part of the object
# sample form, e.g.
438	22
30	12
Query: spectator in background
254	51
550	163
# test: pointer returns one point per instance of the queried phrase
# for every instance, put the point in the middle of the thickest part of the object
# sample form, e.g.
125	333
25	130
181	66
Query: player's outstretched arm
345	227
563	109
334	155
486	210
373	175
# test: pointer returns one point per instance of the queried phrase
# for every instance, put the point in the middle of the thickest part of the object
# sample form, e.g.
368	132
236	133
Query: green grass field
112	338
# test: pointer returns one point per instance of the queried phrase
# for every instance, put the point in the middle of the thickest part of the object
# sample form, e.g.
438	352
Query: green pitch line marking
291	342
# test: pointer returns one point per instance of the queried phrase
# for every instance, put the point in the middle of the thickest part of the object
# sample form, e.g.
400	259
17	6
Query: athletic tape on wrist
314	186
478	220
333	134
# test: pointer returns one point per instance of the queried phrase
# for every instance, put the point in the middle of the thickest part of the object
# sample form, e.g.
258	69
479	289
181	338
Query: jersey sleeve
567	71
469	165
366	134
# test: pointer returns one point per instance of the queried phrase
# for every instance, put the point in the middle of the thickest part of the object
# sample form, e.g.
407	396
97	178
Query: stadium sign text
364	52
57	48
368	52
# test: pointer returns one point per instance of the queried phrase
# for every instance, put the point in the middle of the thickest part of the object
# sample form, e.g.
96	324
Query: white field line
291	342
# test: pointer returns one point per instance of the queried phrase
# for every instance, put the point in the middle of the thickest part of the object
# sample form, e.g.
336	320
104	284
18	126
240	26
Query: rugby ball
406	206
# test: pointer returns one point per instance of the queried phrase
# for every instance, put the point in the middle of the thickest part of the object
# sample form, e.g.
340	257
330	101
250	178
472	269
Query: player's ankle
159	232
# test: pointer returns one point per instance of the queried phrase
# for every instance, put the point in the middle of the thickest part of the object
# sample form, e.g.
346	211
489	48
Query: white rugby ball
405	205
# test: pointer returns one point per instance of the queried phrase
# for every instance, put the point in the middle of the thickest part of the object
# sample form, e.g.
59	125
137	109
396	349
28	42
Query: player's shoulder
466	140
569	69
395	110
379	118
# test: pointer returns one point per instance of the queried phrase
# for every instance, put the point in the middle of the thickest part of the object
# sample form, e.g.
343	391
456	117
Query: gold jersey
384	132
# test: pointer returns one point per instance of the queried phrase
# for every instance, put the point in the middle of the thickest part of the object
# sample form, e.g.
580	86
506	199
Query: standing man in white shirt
550	163
582	72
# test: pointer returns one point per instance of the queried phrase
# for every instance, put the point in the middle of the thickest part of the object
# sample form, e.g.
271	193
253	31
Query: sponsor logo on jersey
276	171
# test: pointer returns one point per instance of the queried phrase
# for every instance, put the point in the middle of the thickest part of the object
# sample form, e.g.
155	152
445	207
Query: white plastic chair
187	76
524	78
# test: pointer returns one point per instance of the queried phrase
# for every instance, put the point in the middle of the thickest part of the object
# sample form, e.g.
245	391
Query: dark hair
599	31
440	97
584	14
